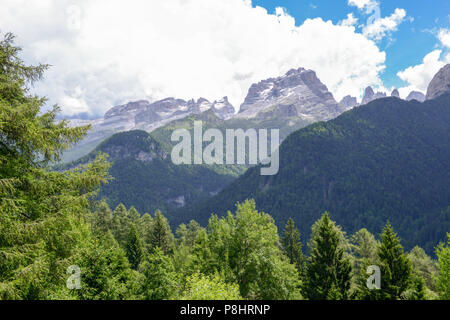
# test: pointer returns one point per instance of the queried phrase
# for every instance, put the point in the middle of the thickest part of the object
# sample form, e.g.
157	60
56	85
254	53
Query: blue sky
407	46
109	52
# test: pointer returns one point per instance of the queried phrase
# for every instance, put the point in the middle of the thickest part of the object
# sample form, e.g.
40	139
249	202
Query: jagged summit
440	83
415	95
299	93
395	93
349	102
370	95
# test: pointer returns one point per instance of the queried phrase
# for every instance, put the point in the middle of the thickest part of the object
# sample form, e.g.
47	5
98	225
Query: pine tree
160	278
145	228
133	216
134	249
395	269
105	270
328	272
161	235
44	213
292	246
122	224
103	218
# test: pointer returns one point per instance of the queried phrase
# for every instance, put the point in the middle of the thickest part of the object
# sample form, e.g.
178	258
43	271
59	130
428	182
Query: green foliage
134	249
443	280
201	287
328	272
423	266
160	278
160	235
43	214
395	267
247	249
292	246
105	271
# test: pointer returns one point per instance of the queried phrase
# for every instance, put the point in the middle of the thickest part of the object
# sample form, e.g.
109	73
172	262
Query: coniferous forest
54	226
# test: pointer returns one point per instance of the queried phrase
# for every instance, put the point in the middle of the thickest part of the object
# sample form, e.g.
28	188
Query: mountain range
288	102
385	160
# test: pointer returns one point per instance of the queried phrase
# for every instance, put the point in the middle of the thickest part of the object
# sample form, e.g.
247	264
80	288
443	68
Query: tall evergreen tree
395	269
145	228
161	235
160	278
103	218
133	216
121	225
133	248
292	246
44	214
328	272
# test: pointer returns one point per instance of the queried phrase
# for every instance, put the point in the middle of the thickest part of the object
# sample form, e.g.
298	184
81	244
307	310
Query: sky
108	52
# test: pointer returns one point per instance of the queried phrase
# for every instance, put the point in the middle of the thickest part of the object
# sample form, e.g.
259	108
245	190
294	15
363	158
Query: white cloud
107	52
381	27
351	20
444	37
362	4
418	77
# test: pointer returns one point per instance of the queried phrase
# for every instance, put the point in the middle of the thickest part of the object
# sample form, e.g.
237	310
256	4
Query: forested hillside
145	177
387	160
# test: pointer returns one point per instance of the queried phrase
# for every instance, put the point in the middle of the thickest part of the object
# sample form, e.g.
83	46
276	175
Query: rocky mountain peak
223	108
299	93
348	102
127	109
395	93
415	95
370	95
440	84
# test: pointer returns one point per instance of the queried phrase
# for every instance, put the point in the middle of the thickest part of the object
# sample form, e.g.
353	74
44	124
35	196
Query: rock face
370	95
348	102
416	95
395	93
299	93
440	83
223	109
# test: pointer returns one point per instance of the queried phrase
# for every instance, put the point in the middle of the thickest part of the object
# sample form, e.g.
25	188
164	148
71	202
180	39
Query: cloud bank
418	77
107	52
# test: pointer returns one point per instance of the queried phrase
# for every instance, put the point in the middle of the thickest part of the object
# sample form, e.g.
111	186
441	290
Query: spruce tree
395	269
292	246
133	216
328	272
103	218
161	235
160	278
133	248
122	224
43	213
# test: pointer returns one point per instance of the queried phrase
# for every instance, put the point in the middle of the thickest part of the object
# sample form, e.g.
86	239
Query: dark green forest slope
388	160
145	177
